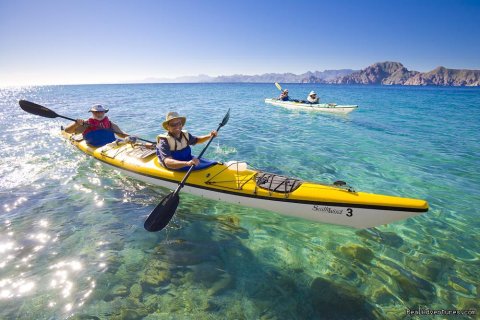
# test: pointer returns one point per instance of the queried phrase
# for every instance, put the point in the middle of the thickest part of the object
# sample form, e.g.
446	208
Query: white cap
312	93
98	108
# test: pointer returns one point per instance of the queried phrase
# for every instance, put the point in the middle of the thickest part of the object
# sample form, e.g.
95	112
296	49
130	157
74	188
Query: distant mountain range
326	76
382	73
308	77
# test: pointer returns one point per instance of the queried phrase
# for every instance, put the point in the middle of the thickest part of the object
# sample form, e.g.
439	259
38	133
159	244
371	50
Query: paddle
278	86
164	211
42	111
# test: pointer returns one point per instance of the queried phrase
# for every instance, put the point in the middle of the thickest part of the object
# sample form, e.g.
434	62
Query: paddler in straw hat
173	147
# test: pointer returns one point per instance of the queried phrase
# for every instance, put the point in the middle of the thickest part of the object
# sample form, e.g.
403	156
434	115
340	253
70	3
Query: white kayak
323	107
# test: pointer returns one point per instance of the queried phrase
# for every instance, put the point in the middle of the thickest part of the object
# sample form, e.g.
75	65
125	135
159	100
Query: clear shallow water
72	241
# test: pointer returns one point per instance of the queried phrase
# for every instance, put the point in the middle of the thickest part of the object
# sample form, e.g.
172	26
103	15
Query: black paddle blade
162	214
36	109
225	119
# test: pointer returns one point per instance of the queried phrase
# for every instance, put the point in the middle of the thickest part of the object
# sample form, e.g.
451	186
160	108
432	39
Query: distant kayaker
312	97
173	147
284	95
98	130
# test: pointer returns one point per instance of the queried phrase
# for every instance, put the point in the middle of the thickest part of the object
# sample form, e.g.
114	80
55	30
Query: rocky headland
394	73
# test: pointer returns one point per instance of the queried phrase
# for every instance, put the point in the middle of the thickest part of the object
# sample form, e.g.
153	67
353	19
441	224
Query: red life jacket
95	124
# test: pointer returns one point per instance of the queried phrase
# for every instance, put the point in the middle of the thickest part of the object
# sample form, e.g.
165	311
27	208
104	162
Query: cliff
379	73
389	73
446	77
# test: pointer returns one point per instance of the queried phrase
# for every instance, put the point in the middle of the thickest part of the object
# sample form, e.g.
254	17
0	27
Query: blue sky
105	41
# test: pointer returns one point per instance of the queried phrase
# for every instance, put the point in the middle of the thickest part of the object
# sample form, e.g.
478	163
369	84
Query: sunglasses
175	124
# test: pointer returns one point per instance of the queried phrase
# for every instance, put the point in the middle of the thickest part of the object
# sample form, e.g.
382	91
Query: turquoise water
72	242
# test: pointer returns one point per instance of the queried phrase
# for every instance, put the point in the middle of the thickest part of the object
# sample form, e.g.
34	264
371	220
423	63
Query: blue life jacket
100	137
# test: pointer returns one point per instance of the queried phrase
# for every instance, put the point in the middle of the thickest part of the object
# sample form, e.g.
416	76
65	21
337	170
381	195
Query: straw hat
171	116
97	108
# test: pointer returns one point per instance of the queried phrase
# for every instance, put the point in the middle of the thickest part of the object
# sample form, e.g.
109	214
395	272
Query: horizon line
171	80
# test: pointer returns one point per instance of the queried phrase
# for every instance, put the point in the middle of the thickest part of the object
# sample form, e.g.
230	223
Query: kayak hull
349	215
322	107
232	184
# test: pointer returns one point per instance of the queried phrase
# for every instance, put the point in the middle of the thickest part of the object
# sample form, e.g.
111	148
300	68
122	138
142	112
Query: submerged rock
119	290
432	268
383	296
386	238
185	253
206	273
155	273
462	286
136	291
357	252
410	287
333	301
132	259
231	220
231	224
466	303
223	284
129	309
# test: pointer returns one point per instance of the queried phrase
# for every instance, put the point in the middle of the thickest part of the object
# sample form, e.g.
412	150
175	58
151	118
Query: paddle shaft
278	86
182	183
66	117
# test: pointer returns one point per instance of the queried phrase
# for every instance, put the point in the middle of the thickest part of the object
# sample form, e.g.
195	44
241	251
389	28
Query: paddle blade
162	214
225	119
278	86
37	109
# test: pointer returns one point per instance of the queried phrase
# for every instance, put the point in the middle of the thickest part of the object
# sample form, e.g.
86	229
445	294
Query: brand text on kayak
349	212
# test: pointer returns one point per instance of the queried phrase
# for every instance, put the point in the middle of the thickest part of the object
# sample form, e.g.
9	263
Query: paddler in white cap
98	130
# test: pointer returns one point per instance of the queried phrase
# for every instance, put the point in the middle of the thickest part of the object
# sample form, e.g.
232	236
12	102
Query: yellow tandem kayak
235	183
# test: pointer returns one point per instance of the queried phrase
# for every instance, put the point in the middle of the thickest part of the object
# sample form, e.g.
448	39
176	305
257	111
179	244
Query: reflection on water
36	267
72	242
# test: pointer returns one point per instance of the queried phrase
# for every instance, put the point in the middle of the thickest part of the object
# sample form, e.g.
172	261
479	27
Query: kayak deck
234	182
325	107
